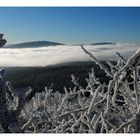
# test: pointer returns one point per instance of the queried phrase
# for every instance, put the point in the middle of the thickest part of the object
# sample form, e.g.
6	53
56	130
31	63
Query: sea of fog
51	55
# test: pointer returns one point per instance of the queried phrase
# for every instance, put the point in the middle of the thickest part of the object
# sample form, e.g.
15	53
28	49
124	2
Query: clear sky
70	25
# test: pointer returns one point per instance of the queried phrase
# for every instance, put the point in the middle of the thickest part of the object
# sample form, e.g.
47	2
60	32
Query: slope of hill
103	43
33	44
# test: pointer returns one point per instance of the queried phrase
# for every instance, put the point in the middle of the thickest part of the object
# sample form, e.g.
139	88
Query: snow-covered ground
52	55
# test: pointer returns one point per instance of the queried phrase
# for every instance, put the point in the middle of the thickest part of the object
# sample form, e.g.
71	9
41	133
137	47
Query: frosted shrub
98	108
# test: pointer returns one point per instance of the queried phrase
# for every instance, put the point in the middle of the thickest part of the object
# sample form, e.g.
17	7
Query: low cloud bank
43	56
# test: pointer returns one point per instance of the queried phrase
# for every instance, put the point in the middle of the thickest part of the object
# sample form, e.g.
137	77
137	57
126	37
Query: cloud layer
51	55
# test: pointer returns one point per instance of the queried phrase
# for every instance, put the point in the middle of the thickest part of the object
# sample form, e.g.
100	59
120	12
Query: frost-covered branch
97	62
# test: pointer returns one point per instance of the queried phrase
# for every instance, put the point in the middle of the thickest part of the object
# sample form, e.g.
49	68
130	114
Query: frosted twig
94	98
120	56
124	125
136	87
132	61
74	111
115	92
110	87
104	123
96	122
63	100
26	124
98	62
77	122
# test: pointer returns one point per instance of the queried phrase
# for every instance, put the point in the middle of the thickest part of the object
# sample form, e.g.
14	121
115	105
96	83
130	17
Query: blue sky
71	25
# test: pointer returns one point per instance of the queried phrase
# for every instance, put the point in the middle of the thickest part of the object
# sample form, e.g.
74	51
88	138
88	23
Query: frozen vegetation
112	108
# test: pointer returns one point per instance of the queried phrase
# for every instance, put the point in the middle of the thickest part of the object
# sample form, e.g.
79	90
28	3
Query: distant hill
33	44
103	43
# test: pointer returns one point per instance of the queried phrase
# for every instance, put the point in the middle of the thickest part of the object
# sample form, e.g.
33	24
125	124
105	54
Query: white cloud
59	54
